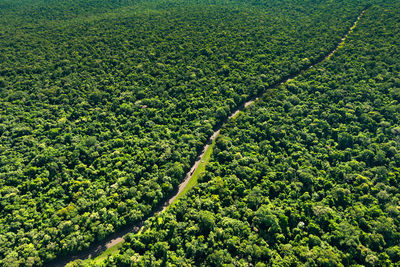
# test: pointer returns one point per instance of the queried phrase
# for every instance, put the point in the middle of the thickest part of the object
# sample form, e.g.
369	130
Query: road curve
118	237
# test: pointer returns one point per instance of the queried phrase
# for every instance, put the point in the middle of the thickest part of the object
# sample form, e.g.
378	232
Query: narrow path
118	237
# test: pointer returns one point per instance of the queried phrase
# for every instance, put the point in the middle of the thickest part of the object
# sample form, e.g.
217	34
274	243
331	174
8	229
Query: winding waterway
118	237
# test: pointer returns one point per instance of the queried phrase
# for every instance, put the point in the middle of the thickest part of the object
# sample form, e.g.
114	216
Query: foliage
106	104
310	176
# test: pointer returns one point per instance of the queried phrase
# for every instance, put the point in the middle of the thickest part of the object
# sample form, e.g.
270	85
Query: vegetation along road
191	177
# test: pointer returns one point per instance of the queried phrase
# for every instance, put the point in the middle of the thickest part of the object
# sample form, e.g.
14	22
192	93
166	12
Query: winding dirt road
118	237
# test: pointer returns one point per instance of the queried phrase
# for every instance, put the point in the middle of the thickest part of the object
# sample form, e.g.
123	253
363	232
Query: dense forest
105	105
310	175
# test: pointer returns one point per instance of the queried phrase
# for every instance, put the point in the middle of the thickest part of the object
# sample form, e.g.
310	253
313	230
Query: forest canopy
105	105
307	176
